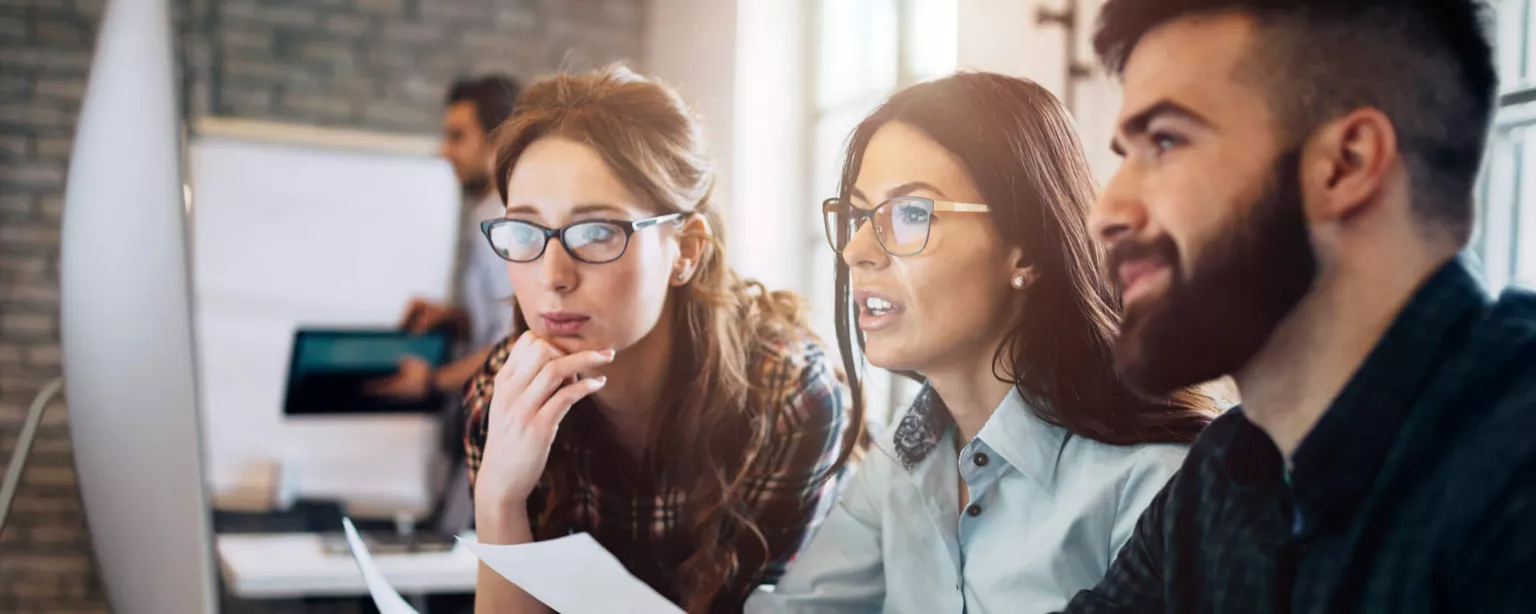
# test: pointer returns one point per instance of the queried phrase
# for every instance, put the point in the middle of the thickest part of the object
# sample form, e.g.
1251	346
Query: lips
877	310
564	323
1138	264
1137	275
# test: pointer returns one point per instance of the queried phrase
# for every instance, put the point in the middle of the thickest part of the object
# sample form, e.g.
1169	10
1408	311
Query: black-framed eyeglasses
589	241
902	224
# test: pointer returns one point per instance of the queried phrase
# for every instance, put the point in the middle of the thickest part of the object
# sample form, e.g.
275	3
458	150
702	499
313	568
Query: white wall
691	45
770	211
740	64
1004	36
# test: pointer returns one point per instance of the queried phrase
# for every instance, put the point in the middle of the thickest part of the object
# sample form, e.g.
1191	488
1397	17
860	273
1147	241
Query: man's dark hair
493	95
1426	64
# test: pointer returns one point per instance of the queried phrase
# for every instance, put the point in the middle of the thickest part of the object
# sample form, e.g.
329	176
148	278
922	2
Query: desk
289	565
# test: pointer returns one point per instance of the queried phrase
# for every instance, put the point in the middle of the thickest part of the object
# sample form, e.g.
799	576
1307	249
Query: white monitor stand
127	327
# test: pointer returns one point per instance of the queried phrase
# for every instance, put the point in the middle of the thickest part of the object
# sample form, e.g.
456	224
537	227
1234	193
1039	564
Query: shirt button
973	511
980	459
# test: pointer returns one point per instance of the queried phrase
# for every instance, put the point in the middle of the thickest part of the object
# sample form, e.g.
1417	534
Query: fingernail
607	353
599	381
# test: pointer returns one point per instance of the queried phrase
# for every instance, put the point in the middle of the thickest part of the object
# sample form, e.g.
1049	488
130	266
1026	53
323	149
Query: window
864	50
1506	237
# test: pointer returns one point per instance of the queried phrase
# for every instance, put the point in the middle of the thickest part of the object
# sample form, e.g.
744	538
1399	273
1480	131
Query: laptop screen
330	370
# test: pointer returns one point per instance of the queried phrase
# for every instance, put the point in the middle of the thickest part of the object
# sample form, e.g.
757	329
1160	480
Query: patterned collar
1014	432
921	428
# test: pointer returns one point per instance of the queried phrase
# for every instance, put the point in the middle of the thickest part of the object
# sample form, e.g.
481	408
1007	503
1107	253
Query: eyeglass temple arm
660	219
946	205
938	205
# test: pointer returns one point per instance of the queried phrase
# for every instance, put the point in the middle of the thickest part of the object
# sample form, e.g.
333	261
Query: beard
475	187
1213	320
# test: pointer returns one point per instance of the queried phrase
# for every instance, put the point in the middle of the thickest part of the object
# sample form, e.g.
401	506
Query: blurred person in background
481	311
1024	463
683	416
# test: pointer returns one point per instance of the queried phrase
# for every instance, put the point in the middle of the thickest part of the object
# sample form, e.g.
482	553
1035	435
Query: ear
1022	269
1347	164
1024	277
693	244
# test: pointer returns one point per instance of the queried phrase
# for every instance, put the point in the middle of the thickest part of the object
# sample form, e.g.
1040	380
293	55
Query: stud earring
1018	282
681	276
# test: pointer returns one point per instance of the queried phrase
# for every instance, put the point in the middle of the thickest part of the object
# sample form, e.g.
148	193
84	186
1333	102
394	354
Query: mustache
1161	249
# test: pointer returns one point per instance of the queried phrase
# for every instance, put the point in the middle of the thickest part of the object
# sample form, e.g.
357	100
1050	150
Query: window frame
1499	240
887	394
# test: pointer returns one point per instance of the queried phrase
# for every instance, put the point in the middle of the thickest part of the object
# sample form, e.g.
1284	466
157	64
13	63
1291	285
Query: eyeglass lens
593	242
901	224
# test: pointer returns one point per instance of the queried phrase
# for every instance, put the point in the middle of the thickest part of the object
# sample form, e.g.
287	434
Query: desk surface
287	565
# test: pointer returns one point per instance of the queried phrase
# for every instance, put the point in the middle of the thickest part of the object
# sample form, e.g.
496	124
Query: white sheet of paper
384	595
573	575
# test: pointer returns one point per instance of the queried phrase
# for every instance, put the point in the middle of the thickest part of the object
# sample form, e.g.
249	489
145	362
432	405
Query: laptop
330	369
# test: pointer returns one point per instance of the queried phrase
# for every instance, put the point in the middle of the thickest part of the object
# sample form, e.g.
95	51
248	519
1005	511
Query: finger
555	409
411	310
524	364
510	386
522	342
431	315
516	356
556	372
380	387
418	325
531	346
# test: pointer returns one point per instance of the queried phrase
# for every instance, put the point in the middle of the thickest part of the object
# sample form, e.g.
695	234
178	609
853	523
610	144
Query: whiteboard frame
284	133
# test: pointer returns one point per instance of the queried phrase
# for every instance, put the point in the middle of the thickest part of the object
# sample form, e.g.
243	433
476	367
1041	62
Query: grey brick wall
45	50
377	64
386	63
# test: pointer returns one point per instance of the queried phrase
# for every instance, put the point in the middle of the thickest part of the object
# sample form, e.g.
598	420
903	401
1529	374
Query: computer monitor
126	324
330	370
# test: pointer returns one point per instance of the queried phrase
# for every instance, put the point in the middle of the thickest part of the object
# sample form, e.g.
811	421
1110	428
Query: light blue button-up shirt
1048	513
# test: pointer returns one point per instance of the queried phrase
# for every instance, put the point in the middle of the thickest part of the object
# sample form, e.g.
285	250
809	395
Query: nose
445	150
863	248
1119	212
557	269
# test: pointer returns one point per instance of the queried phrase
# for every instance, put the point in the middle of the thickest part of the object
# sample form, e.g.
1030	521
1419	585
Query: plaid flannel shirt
640	521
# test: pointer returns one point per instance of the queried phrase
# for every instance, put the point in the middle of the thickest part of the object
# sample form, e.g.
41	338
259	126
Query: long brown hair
1022	149
653	142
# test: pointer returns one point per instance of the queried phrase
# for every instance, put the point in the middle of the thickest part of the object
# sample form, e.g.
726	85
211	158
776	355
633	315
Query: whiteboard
301	232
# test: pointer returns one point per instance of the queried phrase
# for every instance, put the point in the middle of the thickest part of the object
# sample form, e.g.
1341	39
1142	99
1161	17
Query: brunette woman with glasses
649	396
1022	467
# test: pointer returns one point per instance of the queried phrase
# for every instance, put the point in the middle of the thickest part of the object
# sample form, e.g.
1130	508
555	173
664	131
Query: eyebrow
577	211
902	190
1136	125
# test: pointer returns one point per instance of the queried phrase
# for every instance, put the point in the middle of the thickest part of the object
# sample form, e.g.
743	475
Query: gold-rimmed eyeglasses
902	225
